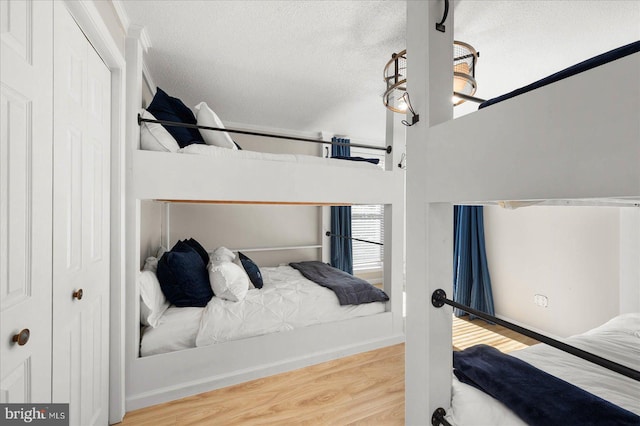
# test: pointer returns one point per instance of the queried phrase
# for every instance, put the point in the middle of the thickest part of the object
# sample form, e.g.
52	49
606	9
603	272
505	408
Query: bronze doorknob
77	294
21	338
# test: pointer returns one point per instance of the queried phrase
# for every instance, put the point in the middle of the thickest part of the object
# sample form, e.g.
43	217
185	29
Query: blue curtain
471	281
341	249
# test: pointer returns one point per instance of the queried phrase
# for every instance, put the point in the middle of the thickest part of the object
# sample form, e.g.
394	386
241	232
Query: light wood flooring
468	333
363	389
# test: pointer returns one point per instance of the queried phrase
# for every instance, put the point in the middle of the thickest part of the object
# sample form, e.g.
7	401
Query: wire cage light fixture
464	71
396	97
396	79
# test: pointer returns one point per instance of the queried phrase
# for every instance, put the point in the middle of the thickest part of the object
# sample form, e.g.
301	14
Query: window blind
367	223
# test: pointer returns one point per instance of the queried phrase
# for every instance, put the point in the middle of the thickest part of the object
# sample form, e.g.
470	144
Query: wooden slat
278	203
363	389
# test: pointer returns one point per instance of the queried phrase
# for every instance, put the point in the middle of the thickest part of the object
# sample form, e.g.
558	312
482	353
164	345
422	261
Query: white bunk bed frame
574	139
160	378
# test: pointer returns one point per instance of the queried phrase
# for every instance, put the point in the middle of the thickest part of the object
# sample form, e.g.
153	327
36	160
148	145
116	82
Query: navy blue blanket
537	397
349	289
596	61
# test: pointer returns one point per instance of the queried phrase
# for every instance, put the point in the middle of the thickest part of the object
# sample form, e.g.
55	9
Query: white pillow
152	300
228	280
154	137
162	250
151	264
206	117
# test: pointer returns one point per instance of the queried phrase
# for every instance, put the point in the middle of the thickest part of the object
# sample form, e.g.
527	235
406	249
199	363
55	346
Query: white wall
569	254
629	260
273	145
251	226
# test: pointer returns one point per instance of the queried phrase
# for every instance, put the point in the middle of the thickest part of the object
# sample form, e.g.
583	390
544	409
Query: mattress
176	330
225	153
596	61
617	340
286	301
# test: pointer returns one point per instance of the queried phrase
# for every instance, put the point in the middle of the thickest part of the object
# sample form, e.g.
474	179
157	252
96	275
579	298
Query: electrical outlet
541	300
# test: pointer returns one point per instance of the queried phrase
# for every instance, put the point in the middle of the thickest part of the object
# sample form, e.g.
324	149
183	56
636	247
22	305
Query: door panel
16	18
25	199
81	224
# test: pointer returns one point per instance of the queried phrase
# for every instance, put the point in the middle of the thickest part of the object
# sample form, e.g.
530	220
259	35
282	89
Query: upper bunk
238	179
166	165
574	138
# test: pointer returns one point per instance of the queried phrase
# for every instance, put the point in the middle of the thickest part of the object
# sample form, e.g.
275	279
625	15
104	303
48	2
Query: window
367	223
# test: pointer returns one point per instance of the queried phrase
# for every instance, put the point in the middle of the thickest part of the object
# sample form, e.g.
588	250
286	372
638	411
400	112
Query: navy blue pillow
164	107
252	270
201	251
183	277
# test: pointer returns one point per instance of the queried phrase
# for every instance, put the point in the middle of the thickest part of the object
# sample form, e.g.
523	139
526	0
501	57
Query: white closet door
81	224
25	199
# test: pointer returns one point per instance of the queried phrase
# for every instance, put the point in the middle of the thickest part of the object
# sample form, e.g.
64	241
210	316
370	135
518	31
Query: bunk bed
166	179
577	138
615	394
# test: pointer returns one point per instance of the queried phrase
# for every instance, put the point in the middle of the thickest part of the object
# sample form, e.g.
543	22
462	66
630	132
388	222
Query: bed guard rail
439	299
468	98
141	120
329	234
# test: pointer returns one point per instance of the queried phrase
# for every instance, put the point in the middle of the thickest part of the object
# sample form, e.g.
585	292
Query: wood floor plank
363	389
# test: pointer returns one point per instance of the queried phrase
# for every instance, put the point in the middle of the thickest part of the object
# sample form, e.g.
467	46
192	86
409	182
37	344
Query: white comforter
222	153
287	301
617	340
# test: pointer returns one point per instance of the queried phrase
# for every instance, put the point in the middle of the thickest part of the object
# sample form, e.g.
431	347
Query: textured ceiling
522	41
317	65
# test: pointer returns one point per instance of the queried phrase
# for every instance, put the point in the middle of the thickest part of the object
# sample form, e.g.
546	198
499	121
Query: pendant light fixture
396	97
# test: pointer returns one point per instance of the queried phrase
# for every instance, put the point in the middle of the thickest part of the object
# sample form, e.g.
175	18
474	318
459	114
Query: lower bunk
250	328
286	301
543	385
169	376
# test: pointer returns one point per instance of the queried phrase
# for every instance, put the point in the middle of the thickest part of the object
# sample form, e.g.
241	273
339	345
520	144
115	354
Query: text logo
35	414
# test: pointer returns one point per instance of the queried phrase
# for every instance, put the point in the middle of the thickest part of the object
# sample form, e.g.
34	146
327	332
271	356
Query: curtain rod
329	234
252	133
439	298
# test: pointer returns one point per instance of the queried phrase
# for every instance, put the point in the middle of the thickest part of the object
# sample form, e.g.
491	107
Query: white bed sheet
286	301
617	340
176	330
223	153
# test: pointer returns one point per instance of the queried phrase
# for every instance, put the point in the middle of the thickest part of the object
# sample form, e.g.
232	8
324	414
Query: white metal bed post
429	225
